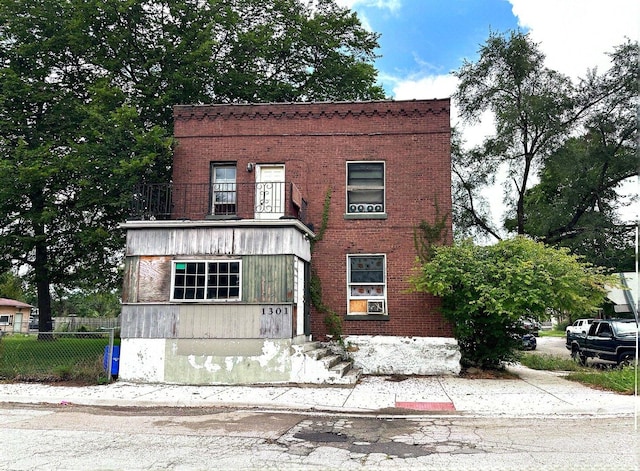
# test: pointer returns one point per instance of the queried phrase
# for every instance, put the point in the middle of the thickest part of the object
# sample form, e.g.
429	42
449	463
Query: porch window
365	187
367	284
223	186
206	280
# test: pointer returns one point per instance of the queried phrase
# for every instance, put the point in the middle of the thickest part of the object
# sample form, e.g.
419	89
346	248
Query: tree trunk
41	269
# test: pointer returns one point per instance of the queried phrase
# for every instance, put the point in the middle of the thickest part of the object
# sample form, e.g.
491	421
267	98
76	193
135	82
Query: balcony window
223	184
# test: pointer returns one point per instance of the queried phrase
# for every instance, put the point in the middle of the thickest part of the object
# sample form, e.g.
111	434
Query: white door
17	322
270	201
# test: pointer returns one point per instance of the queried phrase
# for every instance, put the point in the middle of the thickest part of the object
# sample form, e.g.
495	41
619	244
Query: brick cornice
311	110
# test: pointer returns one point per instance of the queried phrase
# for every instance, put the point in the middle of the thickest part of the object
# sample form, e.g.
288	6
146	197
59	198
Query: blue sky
422	41
431	36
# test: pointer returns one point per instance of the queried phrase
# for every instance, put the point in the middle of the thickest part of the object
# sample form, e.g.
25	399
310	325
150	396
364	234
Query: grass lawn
622	380
64	357
552	333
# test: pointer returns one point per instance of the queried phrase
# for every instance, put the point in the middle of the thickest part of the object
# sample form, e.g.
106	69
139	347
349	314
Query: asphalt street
76	437
532	420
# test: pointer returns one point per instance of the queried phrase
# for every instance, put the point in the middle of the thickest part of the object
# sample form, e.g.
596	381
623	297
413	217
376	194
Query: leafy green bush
487	290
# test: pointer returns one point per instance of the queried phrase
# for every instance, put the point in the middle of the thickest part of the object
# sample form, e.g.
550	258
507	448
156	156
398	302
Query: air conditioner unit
375	307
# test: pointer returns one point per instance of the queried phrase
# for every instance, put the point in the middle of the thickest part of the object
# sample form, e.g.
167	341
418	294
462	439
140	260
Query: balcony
260	201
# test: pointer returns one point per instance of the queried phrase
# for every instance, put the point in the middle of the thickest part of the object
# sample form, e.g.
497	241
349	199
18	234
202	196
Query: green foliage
428	236
87	304
617	379
622	380
86	95
574	204
538	114
12	287
532	106
550	363
324	222
332	321
485	291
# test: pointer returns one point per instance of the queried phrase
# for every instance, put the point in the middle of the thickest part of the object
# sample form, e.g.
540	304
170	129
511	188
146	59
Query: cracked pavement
67	437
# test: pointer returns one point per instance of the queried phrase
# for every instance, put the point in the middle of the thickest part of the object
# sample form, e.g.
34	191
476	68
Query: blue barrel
115	359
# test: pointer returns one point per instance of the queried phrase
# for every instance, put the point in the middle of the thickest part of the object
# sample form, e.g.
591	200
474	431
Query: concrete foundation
223	361
383	355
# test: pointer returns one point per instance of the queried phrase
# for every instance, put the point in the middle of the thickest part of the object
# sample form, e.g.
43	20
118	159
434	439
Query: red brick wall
314	141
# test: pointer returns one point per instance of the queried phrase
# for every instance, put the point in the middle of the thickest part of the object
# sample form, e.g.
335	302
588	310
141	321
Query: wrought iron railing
264	200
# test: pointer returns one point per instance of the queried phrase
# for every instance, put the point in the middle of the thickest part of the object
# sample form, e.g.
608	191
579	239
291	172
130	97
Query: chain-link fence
78	357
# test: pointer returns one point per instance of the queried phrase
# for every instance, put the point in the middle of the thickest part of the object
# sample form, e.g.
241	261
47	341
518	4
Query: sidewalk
535	393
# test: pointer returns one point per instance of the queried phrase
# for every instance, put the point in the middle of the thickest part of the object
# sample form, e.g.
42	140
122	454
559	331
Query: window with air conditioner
365	188
367	284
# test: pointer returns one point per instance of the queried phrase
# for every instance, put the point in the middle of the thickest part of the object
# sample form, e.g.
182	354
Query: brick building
219	264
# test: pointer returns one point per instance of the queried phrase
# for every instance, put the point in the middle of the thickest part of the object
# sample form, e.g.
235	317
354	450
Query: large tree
536	111
487	290
576	200
86	95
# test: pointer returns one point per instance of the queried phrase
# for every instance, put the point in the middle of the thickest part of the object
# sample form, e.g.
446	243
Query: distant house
14	316
625	299
221	263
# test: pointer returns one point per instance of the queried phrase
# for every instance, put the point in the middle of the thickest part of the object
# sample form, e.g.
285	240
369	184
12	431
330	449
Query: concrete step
309	346
331	360
339	371
352	376
317	353
342	368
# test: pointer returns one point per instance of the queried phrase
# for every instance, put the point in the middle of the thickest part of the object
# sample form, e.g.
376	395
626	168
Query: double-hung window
206	280
223	186
365	187
367	284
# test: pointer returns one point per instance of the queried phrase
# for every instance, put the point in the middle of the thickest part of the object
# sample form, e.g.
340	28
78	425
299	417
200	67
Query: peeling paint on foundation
424	356
212	361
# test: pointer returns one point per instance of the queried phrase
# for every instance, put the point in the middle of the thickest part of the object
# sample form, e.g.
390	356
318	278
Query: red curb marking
426	405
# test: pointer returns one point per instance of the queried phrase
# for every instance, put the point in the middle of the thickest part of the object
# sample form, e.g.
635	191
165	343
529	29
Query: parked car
529	342
607	339
531	326
579	327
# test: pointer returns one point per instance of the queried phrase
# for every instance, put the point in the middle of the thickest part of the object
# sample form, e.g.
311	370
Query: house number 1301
277	310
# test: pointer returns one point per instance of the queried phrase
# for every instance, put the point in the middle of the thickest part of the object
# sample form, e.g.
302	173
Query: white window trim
206	300
383	297
349	188
230	189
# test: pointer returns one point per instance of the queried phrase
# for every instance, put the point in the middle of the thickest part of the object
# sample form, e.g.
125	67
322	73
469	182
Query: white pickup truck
579	327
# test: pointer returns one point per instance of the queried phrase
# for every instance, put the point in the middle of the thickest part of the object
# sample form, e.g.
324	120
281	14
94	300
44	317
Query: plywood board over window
154	279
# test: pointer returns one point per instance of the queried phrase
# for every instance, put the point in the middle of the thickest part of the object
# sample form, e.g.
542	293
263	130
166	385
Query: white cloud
575	35
392	5
441	86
